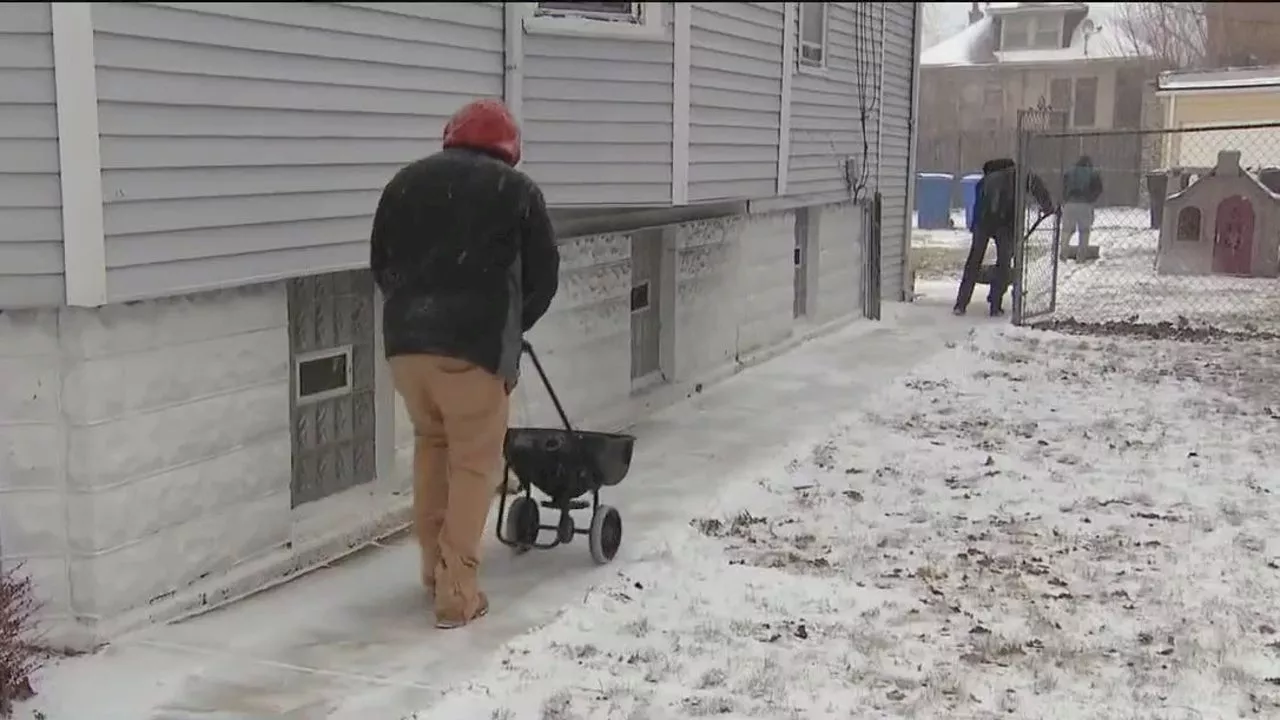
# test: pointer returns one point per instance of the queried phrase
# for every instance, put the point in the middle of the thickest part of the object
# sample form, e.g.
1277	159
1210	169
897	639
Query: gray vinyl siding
31	267
597	117
899	51
825	109
735	100
250	141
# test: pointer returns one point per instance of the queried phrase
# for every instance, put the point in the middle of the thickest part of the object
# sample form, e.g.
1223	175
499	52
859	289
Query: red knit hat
488	126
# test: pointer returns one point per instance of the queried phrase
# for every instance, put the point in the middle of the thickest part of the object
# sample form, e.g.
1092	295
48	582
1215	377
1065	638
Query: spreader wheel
606	534
523	520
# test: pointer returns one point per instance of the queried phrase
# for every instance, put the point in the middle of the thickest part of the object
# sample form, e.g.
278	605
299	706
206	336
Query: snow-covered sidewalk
354	641
1031	526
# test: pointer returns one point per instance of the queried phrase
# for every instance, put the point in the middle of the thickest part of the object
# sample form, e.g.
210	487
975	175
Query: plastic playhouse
1227	222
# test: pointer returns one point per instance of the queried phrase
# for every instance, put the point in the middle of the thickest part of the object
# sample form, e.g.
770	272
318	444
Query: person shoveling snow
995	200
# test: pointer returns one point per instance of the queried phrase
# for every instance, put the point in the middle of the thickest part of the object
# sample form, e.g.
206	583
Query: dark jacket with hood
1082	183
463	249
995	197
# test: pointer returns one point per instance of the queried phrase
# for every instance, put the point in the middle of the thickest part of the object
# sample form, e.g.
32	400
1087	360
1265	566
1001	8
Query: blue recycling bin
933	204
969	195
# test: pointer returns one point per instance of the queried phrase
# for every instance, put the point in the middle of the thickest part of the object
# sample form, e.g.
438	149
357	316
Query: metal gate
331	339
1035	273
646	298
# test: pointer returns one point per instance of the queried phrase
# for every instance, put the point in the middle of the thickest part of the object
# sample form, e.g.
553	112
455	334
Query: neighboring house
1241	33
1235	96
1016	56
194	401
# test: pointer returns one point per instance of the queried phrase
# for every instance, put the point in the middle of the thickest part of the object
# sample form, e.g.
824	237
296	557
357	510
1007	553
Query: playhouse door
1233	237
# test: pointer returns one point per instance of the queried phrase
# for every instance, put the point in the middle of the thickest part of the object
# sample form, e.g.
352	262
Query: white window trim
298	360
801	65
649	25
79	155
1033	29
1073	84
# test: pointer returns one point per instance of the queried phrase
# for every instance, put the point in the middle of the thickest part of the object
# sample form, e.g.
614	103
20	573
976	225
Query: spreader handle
555	399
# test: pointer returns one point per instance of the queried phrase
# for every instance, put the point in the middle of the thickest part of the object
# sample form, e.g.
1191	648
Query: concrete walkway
355	640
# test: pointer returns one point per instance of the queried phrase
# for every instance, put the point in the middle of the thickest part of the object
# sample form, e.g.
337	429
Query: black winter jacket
465	256
996	193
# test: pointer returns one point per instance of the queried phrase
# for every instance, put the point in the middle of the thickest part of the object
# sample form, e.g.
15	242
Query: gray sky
941	20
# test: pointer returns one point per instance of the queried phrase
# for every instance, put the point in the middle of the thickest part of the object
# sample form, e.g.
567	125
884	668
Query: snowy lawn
1032	526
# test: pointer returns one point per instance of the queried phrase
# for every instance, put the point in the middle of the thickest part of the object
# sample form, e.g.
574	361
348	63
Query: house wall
840	258
181	406
955	97
30	196
1200	148
827	105
597	115
733	288
1239	34
735	99
234	152
895	143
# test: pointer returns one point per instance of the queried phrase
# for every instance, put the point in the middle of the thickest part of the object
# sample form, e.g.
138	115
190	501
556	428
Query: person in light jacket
1082	186
465	256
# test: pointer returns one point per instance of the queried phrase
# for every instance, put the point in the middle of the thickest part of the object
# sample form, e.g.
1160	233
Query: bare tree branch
1172	35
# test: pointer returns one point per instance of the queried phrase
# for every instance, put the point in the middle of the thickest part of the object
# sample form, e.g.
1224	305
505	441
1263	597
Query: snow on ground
1122	284
1032	525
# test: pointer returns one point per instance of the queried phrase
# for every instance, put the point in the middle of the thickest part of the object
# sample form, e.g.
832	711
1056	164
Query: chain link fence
1198	252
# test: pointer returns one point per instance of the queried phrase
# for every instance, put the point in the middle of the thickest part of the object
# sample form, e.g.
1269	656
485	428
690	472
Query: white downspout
908	287
79	155
513	58
681	74
789	13
880	97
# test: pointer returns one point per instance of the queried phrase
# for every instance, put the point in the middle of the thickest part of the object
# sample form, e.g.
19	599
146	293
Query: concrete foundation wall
840	254
145	447
584	340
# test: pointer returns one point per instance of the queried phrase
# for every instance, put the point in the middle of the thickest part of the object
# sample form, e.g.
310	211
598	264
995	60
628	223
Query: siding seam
681	76
789	13
513	60
79	154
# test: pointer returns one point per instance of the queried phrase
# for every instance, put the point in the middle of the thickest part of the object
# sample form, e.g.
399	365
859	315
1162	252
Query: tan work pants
459	414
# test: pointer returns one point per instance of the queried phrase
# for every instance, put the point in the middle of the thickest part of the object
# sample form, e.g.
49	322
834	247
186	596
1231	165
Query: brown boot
453	623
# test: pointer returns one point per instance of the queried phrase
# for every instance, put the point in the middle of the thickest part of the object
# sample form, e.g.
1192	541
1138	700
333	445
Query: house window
606	11
639	20
1085	112
1047	32
1060	93
813	34
1031	33
323	374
